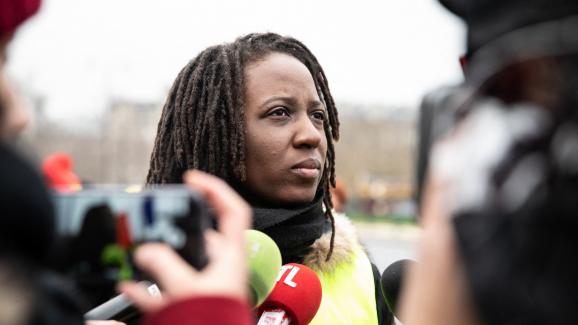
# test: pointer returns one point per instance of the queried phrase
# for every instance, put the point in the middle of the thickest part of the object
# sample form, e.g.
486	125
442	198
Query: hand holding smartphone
100	227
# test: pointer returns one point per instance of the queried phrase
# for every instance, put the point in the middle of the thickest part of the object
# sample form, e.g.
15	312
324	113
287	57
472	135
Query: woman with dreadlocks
258	113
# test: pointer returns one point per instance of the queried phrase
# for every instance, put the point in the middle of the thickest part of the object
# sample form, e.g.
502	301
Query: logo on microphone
288	280
295	298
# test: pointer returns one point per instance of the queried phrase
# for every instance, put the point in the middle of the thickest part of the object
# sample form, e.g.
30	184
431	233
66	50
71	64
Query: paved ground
388	243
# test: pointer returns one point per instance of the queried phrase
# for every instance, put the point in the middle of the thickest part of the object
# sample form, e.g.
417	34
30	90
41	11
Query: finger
224	256
214	245
434	205
140	296
233	213
164	265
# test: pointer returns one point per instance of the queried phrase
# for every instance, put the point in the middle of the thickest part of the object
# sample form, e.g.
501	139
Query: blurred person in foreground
500	212
31	294
26	221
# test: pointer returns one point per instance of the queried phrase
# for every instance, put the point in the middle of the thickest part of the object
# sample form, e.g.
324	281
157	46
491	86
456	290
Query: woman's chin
296	199
281	197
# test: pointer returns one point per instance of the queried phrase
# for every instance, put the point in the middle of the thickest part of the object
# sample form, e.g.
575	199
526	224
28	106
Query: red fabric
14	12
203	311
297	292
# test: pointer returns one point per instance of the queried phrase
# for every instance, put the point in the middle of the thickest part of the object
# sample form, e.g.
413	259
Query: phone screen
99	229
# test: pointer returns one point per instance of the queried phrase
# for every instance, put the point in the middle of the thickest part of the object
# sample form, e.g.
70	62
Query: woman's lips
308	168
307	172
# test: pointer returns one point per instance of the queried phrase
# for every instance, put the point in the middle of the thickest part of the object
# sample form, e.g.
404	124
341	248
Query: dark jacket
26	238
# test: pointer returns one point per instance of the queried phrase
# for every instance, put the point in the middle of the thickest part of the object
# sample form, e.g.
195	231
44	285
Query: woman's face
285	140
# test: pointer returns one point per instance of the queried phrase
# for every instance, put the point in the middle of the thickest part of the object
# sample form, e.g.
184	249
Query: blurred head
339	196
256	112
488	20
13	116
522	51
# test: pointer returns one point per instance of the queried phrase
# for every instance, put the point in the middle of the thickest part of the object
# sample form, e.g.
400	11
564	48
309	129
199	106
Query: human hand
225	275
436	289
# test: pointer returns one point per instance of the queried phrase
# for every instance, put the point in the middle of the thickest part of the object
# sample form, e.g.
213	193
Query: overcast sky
80	53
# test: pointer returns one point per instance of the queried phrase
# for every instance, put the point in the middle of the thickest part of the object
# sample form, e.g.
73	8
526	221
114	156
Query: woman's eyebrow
316	104
292	101
286	99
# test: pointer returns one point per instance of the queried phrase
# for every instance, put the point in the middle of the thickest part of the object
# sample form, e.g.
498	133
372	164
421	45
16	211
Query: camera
439	112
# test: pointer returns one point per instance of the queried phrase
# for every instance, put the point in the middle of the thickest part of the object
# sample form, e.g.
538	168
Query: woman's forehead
279	73
277	64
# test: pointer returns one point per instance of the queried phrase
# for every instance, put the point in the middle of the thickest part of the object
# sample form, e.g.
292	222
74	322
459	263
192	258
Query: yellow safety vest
348	293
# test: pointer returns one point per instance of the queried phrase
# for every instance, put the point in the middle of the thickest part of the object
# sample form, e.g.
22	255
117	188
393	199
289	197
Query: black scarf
293	230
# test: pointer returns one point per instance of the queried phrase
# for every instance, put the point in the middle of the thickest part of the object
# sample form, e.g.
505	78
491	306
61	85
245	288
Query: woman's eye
281	111
319	115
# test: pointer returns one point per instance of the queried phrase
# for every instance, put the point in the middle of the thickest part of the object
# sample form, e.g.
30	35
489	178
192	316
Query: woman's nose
307	134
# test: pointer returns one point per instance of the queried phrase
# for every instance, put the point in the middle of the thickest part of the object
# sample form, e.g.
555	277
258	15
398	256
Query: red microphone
295	298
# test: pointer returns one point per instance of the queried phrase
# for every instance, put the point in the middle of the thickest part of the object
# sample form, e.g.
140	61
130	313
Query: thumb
161	262
140	296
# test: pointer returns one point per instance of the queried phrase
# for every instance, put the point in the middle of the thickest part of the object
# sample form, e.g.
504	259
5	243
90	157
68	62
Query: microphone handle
119	308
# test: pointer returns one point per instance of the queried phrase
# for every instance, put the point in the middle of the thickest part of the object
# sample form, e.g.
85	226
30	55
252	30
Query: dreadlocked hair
202	124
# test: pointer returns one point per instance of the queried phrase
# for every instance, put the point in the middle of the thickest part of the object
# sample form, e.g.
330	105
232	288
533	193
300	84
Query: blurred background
96	73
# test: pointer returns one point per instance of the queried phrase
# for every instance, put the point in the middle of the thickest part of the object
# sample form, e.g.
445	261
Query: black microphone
392	282
120	308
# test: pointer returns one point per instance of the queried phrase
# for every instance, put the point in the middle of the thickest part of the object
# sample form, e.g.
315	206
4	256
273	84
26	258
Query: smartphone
99	228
